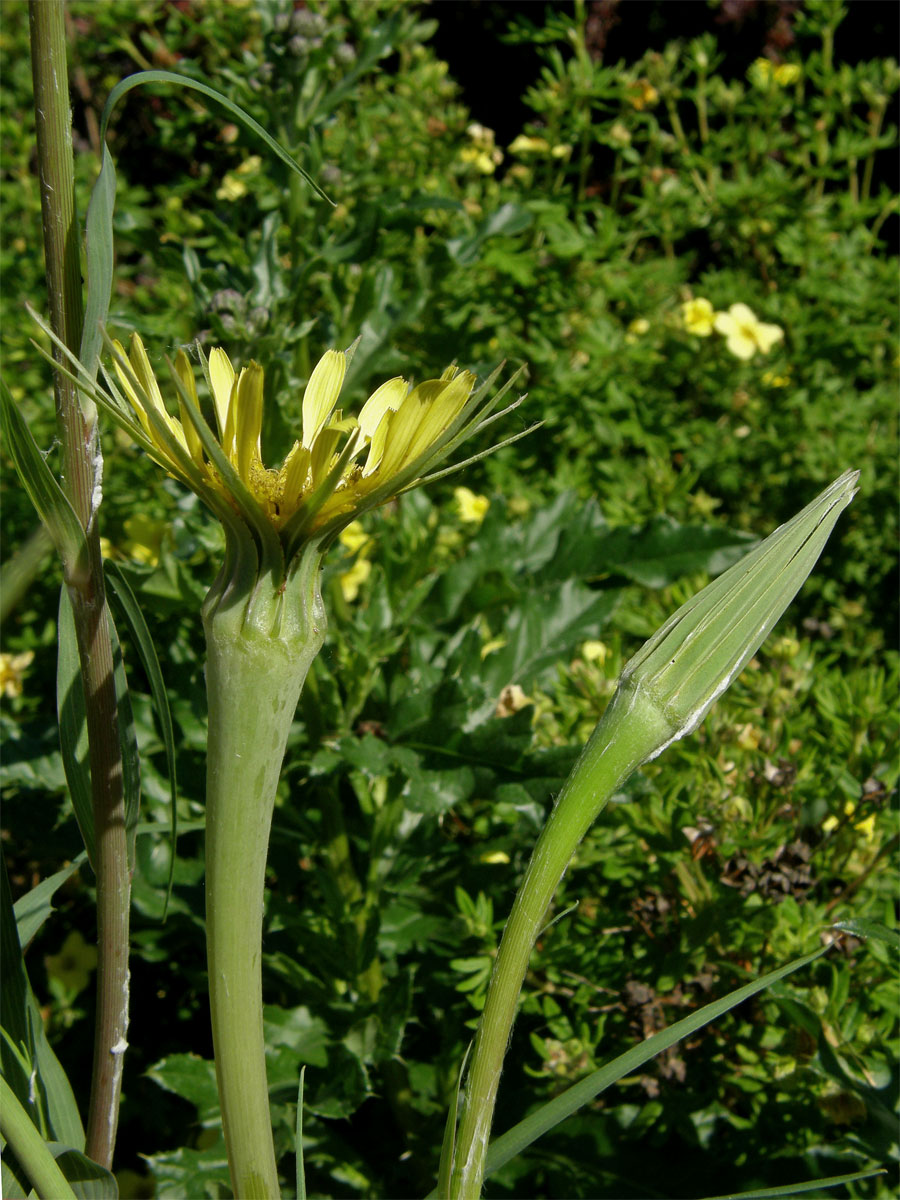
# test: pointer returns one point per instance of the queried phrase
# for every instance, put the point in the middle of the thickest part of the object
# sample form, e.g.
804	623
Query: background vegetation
474	640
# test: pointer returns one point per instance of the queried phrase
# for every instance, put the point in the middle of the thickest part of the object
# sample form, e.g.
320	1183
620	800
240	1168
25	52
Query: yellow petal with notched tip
221	379
388	397
322	393
439	415
405	423
248	406
185	373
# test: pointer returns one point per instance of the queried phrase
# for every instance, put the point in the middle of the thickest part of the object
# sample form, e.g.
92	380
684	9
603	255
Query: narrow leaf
141	77
797	1189
514	1141
449	1143
73	738
298	1139
861	927
43	488
125	597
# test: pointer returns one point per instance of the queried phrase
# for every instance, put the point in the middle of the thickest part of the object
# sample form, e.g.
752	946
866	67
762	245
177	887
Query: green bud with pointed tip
703	647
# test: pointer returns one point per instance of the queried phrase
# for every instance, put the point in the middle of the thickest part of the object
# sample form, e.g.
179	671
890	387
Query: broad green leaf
33	909
87	1179
514	1141
120	589
191	1077
43	489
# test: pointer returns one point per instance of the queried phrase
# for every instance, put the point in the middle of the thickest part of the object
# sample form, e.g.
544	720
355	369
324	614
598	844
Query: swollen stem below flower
254	682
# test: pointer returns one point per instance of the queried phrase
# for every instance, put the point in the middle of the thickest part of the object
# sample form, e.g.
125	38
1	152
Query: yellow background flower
73	965
744	333
698	317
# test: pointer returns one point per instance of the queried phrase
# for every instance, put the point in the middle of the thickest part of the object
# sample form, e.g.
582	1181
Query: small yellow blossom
479	159
512	700
595	652
351	581
12	672
619	135
698	317
561	150
866	827
73	965
761	72
471	508
495	856
354	537
638	327
786	74
642	94
231	188
144	539
775	380
744	333
529	145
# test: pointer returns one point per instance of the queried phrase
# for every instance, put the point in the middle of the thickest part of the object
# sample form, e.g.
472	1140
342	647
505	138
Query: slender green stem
628	733
30	1149
80	452
254	678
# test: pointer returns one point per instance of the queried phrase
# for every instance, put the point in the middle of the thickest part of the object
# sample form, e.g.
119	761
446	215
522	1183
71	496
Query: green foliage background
409	805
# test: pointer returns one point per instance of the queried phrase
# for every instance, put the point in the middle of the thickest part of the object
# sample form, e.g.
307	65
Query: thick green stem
80	454
254	677
629	732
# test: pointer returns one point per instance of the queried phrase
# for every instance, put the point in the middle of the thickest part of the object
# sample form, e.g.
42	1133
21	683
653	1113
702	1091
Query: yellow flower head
786	74
698	317
471	508
12	672
761	72
351	581
524	144
745	333
339	466
73	965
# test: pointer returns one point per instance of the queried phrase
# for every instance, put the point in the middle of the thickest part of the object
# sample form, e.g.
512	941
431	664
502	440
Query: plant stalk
30	1149
627	734
254	679
81	457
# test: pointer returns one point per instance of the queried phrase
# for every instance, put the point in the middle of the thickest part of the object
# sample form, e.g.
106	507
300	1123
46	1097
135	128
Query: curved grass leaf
798	1189
99	224
125	597
514	1141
